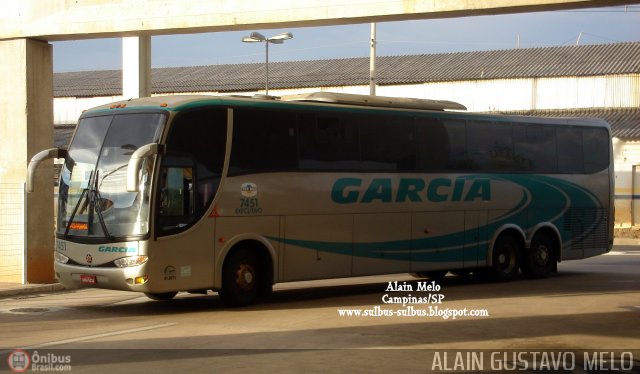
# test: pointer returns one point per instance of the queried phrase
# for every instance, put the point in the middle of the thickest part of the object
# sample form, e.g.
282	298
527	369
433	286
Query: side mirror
133	184
37	159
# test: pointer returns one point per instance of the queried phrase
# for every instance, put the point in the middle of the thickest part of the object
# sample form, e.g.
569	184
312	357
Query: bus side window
191	168
177	197
434	145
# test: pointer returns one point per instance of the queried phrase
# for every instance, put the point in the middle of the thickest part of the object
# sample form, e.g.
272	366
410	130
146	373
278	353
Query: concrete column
26	127
136	66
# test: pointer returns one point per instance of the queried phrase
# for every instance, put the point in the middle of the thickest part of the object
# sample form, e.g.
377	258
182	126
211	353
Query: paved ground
591	304
8	289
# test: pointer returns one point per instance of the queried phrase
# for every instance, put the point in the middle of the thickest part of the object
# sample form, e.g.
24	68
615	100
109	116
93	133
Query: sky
526	30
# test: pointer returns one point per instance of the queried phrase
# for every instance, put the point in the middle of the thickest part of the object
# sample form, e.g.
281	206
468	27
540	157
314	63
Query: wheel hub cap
542	254
245	277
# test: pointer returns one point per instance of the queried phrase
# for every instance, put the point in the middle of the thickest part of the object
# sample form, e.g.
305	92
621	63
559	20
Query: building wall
627	182
12	232
66	110
620	91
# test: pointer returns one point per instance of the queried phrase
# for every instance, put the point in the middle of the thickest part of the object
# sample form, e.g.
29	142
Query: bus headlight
130	261
61	258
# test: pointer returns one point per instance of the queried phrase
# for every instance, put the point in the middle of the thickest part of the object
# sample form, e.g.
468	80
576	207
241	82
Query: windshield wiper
75	209
90	196
97	206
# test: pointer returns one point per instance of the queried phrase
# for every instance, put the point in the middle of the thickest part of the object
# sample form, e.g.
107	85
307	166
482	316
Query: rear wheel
506	258
539	260
163	296
462	272
241	279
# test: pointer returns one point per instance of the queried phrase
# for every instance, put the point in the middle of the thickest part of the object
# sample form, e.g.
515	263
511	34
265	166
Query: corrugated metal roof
587	60
87	83
625	122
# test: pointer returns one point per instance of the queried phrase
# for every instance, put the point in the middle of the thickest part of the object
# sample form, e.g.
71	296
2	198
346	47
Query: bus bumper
126	279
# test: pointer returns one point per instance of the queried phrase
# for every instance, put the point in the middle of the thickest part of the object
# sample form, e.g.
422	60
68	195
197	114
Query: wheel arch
508	229
262	247
552	232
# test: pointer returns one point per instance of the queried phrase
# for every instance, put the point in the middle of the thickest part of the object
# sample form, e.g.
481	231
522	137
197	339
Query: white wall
626	156
530	93
66	110
621	91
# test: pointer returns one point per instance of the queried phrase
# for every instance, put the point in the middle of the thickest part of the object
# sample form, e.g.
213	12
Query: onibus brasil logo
20	361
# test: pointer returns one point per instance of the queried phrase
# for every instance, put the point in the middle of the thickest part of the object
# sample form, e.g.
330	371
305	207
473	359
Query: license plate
88	279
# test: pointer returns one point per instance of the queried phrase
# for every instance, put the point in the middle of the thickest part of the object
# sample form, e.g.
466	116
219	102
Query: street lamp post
256	37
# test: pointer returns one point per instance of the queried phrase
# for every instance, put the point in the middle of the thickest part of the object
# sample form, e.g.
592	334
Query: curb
29	289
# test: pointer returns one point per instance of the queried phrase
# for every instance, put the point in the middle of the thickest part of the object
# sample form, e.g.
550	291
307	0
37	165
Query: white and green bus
234	194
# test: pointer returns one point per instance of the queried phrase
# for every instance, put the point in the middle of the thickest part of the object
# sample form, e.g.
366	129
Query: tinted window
458	155
596	149
535	148
192	167
570	152
434	146
490	146
328	142
387	144
263	141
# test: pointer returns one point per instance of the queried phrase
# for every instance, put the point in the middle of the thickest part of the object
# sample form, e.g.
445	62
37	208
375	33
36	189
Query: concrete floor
591	305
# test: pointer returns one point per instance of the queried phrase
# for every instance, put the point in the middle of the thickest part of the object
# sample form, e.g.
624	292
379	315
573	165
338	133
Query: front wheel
163	296
506	258
539	259
240	279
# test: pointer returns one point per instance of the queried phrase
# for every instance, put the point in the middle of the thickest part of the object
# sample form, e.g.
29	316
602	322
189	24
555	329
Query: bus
234	194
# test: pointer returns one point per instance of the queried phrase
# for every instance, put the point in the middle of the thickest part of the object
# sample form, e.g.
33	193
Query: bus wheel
461	272
240	284
539	259
163	296
506	258
433	275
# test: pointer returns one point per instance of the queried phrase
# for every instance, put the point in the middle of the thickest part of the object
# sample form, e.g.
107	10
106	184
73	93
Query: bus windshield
93	200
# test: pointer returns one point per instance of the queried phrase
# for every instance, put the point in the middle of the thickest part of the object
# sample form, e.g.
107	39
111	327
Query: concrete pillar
136	66
26	127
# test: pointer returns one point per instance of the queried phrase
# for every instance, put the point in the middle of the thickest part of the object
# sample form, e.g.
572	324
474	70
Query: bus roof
180	102
377	101
174	101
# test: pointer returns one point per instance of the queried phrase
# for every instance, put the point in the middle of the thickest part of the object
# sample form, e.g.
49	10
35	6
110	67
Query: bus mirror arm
37	159
136	161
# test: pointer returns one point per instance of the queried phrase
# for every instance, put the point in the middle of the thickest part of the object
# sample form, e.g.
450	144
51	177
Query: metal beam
88	19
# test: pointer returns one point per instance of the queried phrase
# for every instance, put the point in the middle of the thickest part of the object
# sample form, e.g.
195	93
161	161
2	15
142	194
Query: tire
462	272
539	259
433	274
506	258
241	279
163	296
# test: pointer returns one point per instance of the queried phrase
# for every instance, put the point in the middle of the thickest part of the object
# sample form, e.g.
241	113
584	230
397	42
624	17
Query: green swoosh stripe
544	199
